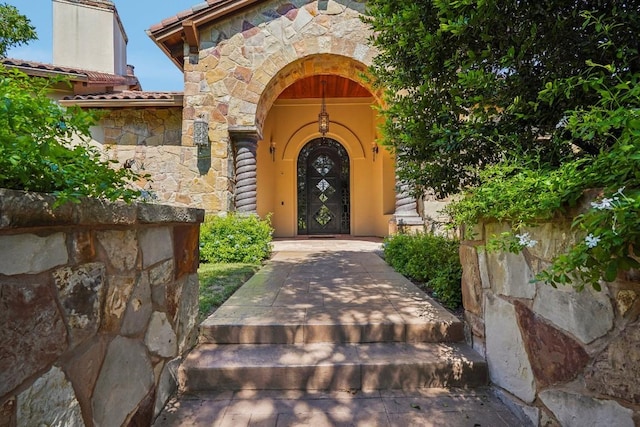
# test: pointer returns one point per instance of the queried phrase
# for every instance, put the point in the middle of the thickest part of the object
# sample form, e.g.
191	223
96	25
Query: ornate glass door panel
323	188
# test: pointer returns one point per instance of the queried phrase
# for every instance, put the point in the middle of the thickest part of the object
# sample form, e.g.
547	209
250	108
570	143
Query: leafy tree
43	146
524	105
463	80
16	29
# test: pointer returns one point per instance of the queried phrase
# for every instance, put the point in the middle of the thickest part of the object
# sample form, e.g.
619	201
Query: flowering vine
612	228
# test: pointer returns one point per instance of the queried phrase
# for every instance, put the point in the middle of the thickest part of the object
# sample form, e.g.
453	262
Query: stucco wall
293	123
559	356
98	301
85	37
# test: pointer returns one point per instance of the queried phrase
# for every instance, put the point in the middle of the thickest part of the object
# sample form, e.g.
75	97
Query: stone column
406	217
245	144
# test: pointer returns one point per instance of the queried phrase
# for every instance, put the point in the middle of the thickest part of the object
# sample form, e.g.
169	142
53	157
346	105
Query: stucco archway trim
339	132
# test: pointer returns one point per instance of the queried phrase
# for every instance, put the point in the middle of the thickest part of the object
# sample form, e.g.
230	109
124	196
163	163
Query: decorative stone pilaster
245	140
406	217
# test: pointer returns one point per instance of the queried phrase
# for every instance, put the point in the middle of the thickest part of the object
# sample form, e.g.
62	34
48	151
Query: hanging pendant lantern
323	117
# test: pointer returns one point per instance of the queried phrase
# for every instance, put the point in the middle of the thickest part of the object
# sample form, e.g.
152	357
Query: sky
153	68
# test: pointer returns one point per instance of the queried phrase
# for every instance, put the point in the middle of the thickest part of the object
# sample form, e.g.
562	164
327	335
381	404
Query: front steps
423	321
279	348
333	320
328	338
328	366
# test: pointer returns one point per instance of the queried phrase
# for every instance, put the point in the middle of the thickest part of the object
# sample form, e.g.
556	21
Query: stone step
282	325
325	366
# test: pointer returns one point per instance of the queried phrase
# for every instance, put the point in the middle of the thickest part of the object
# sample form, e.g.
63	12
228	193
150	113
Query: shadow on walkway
327	334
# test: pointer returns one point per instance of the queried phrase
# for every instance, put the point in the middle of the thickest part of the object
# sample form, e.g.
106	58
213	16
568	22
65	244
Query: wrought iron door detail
323	188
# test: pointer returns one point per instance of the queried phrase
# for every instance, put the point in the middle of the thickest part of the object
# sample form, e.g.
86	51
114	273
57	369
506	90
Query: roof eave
36	72
166	51
199	18
122	103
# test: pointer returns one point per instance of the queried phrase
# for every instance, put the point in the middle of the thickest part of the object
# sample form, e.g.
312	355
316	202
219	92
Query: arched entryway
323	180
288	117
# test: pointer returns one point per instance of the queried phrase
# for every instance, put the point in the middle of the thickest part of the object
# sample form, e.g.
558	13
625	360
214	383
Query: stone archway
245	60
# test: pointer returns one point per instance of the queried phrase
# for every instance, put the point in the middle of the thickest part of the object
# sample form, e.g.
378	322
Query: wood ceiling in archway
336	87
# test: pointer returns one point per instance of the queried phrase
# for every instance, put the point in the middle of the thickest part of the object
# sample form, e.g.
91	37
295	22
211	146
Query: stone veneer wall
559	357
248	59
150	140
143	126
98	301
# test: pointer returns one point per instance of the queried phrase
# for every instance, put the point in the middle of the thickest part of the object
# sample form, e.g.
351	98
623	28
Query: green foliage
235	238
430	259
44	148
525	105
218	282
15	29
40	149
611	231
463	80
523	192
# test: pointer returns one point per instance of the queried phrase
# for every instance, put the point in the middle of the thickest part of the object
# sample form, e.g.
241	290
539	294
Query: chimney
88	34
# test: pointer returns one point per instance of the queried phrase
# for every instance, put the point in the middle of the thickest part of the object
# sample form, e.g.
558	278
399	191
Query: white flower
620	190
604	204
525	240
564	121
591	241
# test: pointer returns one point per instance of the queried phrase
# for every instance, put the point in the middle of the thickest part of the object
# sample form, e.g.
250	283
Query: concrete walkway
334	295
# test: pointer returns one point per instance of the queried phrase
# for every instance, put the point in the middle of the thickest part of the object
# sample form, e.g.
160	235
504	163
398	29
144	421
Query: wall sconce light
323	117
272	150
200	132
374	149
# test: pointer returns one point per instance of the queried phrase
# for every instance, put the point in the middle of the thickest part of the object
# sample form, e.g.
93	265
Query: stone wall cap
22	209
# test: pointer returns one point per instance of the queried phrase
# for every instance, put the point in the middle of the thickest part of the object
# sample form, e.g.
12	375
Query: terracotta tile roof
127	98
180	16
127	94
90	77
198	9
169	34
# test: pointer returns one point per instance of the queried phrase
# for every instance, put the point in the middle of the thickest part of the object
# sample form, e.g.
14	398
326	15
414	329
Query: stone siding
247	60
148	140
557	356
149	127
98	302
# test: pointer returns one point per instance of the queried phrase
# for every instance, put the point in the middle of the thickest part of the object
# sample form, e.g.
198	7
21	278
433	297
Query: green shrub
235	238
430	259
44	147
